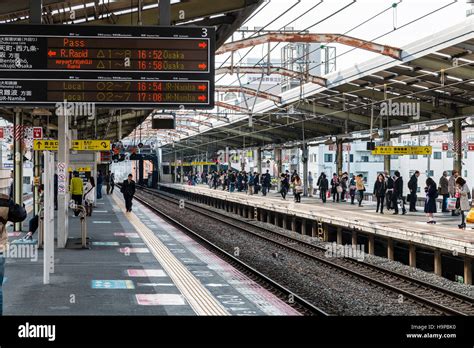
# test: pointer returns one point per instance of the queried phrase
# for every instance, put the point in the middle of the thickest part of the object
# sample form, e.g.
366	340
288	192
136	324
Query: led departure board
142	67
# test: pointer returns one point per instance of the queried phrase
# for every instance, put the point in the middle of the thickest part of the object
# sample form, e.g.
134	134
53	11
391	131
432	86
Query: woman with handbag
430	203
336	189
89	196
352	188
462	190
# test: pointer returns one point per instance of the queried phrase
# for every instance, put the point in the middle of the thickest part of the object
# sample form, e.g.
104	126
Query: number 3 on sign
204	32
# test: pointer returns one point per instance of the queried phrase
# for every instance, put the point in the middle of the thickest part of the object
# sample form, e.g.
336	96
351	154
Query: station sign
80	169
402	150
120	66
76	145
90	145
206	163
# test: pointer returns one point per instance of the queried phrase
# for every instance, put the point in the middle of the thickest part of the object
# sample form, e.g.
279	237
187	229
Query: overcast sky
358	12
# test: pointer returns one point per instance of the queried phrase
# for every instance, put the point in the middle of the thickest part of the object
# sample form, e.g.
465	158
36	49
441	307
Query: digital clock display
130	66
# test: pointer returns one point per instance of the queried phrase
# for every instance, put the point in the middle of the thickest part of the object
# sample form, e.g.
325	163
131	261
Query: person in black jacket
284	185
266	182
413	187
323	187
128	190
380	187
389	193
398	193
430	203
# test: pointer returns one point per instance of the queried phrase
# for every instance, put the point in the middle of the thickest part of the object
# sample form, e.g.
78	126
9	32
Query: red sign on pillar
1	133
470	147
37	132
445	146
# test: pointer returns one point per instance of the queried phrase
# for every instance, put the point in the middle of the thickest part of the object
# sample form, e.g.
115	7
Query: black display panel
141	67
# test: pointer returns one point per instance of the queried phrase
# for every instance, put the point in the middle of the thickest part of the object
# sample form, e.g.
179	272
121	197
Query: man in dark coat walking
398	193
128	190
413	187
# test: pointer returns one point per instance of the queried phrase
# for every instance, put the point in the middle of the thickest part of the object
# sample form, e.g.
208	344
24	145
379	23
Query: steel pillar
18	161
457	141
63	165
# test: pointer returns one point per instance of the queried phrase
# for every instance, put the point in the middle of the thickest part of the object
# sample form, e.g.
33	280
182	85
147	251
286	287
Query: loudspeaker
370	145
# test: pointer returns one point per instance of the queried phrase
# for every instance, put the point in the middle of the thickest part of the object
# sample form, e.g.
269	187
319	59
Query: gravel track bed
334	292
383	262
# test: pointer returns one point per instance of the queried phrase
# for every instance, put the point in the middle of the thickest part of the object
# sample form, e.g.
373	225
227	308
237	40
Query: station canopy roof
436	71
226	16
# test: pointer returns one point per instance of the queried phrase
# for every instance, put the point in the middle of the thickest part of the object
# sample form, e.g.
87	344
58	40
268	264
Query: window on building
425	156
449	154
465	154
465	173
364	158
431	173
26	180
351	158
437	155
328	157
413	156
394	157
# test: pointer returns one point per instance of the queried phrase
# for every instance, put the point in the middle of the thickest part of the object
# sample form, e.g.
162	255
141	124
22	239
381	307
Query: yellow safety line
199	298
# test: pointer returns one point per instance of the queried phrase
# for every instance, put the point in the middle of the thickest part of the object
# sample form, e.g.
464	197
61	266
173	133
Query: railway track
440	300
295	301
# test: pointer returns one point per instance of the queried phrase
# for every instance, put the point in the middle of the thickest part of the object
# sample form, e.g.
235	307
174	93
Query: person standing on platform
256	181
398	193
251	183
323	187
77	189
452	189
100	181
360	187
128	190
89	195
112	183
310	184
298	188
318	184
284	185
462	191
107	183
430	202
413	187
388	195
352	188
380	188
266	182
344	180
334	187
444	191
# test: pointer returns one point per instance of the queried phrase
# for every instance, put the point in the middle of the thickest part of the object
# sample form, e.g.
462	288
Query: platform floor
137	265
410	227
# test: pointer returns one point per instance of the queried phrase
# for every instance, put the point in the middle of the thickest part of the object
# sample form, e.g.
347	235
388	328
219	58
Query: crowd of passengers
387	190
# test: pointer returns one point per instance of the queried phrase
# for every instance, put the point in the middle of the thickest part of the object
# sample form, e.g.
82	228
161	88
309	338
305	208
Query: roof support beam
231	107
462	72
249	91
317	38
273	70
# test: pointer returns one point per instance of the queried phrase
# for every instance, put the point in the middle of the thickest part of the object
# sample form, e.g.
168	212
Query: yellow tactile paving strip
198	297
